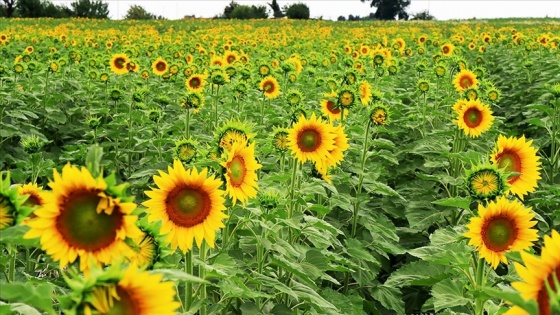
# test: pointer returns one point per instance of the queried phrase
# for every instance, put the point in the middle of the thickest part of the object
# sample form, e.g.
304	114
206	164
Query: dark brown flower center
309	140
120	62
466	82
499	233
330	108
237	171
188	206
82	226
472	117
161	66
510	162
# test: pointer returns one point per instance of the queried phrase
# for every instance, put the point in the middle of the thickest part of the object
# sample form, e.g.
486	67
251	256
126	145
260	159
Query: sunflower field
279	167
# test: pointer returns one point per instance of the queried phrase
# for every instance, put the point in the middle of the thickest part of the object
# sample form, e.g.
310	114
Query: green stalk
260	262
360	181
129	139
45	88
262	110
292	194
188	267
12	267
216	107
187	123
202	275
480	281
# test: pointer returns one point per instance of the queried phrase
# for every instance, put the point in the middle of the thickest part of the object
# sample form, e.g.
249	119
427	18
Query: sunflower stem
129	139
480	281
187	123
292	194
216	107
202	275
262	110
12	267
188	267
360	181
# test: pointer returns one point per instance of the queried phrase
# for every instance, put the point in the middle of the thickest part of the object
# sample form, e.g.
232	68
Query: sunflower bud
32	144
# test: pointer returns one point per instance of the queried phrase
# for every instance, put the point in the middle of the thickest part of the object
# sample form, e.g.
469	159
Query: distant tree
298	11
228	10
136	12
390	9
8	7
245	12
276	11
41	8
351	18
423	15
341	18
95	9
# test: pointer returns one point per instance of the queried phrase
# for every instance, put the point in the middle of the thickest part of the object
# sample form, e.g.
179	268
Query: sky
332	9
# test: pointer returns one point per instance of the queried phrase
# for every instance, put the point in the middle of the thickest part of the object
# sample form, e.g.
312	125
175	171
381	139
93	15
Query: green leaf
39	296
449	293
178	275
14	235
17	309
454	254
389	297
356	249
349	304
511	296
418	273
310	295
458	202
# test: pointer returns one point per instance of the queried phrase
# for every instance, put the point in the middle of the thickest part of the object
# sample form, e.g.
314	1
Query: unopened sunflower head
486	182
185	150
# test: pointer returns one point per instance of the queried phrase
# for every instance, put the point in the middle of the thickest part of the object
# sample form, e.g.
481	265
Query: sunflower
133	292
365	92
311	140
81	219
195	83
340	146
241	177
474	118
11	203
280	139
464	80
34	193
144	250
330	110
159	66
346	98
379	115
500	227
516	155
232	132
270	87
194	101
486	182
189	204
536	272
118	64
217	61
185	150
447	49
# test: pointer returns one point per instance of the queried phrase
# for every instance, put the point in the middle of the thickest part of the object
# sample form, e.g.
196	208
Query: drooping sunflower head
231	132
145	249
537	273
464	80
190	205
193	100
185	150
500	227
311	140
280	139
84	217
379	115
486	182
294	97
132	291
240	172
219	77
519	159
474	118
35	195
270	87
423	85
471	94
118	64
346	98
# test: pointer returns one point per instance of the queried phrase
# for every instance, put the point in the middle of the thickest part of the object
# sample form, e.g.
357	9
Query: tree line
41	8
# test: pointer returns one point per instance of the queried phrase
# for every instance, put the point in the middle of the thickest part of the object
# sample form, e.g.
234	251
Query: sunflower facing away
464	80
536	271
516	155
11	203
189	204
365	92
474	118
270	87
81	220
118	64
500	227
311	140
241	176
159	66
144	250
134	292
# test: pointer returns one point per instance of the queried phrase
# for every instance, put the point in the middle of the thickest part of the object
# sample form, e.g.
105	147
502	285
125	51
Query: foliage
299	11
41	8
390	9
276	11
7	7
136	12
95	9
423	15
245	12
